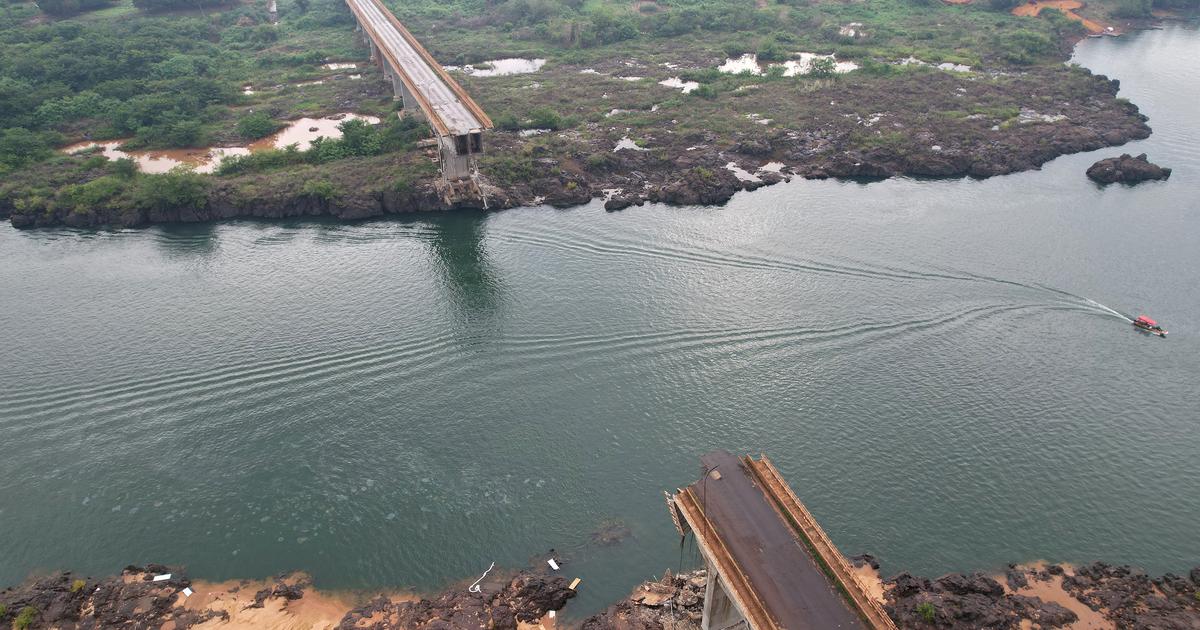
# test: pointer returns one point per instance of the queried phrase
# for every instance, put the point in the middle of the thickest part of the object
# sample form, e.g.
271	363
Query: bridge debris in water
770	565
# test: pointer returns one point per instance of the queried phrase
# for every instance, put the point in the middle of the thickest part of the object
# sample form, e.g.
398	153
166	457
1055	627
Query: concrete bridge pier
720	611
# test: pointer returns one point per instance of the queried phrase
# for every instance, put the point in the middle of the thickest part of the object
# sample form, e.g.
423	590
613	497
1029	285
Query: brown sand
1034	7
871	581
316	610
1053	591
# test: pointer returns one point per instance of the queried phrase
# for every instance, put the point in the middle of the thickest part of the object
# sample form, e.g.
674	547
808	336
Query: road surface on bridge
769	552
449	109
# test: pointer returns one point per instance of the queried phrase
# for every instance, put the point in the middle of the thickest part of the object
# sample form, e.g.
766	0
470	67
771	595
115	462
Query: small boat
1149	325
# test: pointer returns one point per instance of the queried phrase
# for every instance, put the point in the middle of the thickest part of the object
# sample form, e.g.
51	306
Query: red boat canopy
1146	320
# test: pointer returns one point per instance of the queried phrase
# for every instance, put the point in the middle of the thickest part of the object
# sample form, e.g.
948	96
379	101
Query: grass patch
25	618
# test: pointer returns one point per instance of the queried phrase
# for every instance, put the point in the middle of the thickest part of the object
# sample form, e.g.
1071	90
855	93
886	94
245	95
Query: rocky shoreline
1068	110
1097	595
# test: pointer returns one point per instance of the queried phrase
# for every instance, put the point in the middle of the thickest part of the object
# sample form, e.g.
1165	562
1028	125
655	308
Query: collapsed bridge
418	79
770	565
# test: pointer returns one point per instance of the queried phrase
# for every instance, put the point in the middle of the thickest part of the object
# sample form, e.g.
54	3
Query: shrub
179	189
319	189
822	67
545	118
25	618
124	168
82	198
705	91
926	610
4	608
77	586
256	125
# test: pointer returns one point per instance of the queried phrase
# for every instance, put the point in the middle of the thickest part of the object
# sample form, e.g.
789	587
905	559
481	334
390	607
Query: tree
822	67
256	125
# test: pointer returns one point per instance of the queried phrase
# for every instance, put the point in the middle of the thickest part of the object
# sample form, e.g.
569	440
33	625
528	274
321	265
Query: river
933	365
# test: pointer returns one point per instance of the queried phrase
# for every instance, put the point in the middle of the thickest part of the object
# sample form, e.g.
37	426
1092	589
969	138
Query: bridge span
418	79
770	565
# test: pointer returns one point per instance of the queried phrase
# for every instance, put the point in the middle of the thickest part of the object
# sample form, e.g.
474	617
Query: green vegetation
359	139
319	189
178	189
25	618
77	586
3	610
257	125
927	611
170	74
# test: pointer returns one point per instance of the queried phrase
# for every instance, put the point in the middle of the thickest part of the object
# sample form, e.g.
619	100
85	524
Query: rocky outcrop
1126	169
1133	599
966	601
129	600
675	601
499	605
1123	596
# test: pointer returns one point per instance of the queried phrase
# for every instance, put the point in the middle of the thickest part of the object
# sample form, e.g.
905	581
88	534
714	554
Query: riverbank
663	122
156	596
919	122
1096	596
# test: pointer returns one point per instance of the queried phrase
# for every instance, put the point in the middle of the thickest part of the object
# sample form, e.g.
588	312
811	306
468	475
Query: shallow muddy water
301	132
933	365
501	67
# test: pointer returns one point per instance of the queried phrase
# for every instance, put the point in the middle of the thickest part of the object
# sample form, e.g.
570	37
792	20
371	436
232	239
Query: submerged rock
1126	169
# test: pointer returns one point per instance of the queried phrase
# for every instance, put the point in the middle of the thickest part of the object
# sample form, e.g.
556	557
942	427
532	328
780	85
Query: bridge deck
760	552
447	106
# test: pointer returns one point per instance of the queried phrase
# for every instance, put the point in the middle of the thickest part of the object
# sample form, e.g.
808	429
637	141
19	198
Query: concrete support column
374	50
719	609
398	89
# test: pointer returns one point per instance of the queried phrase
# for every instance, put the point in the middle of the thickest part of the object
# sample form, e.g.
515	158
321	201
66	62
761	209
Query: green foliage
545	118
1024	47
257	125
771	50
68	7
124	168
822	67
173	5
77	586
1132	9
25	618
927	611
3	610
178	189
705	91
1004	5
320	189
83	198
20	146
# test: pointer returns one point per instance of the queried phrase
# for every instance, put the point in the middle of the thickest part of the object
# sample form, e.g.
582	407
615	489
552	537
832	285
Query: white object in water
187	591
162	578
552	563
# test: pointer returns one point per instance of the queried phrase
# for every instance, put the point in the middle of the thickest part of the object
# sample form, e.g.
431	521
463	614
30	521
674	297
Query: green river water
934	366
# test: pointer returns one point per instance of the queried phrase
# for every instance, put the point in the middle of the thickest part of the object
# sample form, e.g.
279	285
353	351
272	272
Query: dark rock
865	559
500	604
1015	577
620	202
1126	169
